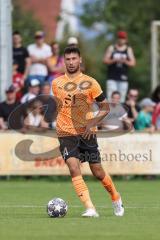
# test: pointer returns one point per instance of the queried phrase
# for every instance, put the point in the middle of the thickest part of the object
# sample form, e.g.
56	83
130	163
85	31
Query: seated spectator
156	95
131	105
55	63
117	117
39	52
33	91
156	117
144	118
49	102
18	81
20	55
7	107
35	117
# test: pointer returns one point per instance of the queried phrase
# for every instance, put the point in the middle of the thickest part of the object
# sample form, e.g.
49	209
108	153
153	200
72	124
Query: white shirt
39	52
27	97
34	120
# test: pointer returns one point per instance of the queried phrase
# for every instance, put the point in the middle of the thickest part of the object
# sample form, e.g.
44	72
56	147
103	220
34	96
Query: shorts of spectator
113	86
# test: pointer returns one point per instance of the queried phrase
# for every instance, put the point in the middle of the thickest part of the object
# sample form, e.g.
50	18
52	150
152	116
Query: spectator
35	117
144	118
33	91
117	117
131	105
156	117
50	104
7	107
72	41
156	95
18	81
55	63
39	53
119	58
20	55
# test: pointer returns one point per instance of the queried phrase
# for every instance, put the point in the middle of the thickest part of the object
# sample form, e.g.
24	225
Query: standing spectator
18	81
144	118
156	117
39	52
55	63
72	41
119	58
20	55
33	91
117	117
156	95
7	107
131	105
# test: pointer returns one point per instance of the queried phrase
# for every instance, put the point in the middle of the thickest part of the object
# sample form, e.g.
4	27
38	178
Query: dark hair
115	93
71	49
46	83
156	94
16	33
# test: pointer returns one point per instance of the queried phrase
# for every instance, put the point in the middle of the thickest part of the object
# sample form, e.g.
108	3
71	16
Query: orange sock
109	186
82	191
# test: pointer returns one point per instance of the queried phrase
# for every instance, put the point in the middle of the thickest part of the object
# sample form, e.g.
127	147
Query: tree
132	16
25	23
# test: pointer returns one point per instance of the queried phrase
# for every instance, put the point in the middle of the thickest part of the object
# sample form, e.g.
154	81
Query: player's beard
74	70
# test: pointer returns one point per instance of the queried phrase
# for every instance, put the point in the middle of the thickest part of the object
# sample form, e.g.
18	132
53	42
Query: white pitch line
76	206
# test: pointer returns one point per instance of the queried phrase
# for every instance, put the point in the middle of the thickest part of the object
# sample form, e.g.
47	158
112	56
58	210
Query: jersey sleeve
95	89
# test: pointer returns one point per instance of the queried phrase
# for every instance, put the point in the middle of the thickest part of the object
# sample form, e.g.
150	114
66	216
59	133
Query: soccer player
76	129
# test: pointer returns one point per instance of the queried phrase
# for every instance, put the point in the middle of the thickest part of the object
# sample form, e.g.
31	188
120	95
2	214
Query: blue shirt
143	120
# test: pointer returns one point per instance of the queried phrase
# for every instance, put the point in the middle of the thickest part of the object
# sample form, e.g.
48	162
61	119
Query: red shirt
156	116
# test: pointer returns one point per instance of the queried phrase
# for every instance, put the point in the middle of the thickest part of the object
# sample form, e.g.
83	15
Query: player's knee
74	170
98	174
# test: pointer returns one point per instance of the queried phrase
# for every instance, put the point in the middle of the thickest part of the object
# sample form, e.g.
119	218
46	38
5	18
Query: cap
39	34
147	102
34	82
72	40
122	34
10	89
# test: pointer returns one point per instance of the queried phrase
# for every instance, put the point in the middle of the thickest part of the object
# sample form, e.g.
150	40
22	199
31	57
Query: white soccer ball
57	207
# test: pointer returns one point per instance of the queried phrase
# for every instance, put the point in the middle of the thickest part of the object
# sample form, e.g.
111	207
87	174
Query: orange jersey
75	97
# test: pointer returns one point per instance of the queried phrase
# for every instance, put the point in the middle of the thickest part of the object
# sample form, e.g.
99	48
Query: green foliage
25	23
132	16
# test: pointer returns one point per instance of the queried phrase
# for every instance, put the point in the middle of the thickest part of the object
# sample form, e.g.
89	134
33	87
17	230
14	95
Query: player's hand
88	132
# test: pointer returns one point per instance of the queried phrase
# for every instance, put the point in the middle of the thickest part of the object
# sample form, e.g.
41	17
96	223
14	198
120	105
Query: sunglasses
39	37
131	95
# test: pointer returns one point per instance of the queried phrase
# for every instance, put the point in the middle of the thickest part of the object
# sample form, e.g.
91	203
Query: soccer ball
57	207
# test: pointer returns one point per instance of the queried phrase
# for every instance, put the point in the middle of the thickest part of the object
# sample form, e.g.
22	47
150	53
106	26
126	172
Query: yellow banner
134	153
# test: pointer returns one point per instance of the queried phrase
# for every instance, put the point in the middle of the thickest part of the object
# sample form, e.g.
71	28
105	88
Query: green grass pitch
23	212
